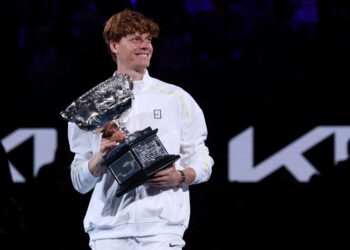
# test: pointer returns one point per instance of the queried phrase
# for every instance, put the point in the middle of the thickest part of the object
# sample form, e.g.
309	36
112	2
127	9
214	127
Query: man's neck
134	74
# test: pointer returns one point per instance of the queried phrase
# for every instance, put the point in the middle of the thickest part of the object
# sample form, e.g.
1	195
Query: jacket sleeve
193	150
80	144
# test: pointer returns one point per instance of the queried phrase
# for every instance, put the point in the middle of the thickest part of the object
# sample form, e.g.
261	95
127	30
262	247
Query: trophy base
137	158
140	177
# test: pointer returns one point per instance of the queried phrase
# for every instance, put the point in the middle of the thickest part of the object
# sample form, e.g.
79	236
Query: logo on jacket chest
157	114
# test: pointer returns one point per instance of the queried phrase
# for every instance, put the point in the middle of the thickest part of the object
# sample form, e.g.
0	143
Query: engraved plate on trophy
124	167
136	158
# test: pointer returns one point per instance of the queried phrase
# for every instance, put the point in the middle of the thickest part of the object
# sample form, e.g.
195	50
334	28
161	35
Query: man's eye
140	39
135	39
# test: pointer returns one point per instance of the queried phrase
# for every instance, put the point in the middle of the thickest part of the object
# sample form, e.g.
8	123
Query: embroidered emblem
157	114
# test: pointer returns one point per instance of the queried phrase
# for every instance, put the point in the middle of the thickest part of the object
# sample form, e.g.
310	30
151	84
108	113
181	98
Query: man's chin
145	65
142	68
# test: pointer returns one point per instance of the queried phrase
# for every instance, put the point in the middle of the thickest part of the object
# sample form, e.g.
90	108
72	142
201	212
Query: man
156	214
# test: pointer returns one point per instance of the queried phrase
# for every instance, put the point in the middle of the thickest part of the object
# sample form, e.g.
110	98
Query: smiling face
133	53
128	35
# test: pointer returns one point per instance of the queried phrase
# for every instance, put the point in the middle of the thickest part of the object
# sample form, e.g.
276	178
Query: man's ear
113	47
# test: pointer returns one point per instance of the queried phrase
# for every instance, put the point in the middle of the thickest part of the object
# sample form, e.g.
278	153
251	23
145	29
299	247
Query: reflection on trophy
136	158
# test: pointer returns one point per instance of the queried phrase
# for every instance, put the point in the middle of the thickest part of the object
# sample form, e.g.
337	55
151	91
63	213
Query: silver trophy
136	158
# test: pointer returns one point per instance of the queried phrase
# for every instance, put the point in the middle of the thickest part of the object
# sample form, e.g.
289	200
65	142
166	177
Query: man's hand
168	177
111	135
171	177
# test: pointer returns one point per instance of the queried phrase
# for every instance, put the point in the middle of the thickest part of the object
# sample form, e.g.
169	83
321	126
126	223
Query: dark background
280	66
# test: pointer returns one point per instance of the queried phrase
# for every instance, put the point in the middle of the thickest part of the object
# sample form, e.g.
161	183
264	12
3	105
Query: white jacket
144	210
